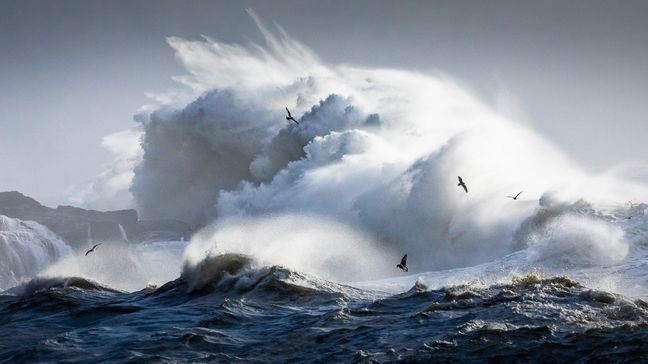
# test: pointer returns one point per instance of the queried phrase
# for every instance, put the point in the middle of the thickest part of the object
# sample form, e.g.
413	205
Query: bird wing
404	260
96	245
460	180
288	111
464	187
88	252
516	196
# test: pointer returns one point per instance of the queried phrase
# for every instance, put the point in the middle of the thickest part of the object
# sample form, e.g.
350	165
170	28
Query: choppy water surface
238	313
574	293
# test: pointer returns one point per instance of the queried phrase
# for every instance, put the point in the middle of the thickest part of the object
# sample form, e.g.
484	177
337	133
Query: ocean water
525	306
273	314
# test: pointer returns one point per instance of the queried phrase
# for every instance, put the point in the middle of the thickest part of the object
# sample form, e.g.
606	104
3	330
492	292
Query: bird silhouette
290	117
403	264
462	184
93	249
516	196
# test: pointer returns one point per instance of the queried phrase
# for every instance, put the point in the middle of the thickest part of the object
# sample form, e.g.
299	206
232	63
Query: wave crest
44	284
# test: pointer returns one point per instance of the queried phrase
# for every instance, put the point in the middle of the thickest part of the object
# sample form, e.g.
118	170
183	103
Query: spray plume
375	155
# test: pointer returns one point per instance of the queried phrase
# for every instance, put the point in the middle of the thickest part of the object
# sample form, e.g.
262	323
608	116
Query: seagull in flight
290	117
516	196
462	184
403	264
93	249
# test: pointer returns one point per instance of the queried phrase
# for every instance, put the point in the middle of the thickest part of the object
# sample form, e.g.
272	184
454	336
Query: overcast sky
74	71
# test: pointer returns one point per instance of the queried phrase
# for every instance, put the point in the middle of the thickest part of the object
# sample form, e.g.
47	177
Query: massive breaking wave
368	174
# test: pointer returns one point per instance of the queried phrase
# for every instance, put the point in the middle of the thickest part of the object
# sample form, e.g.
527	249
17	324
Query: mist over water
123	266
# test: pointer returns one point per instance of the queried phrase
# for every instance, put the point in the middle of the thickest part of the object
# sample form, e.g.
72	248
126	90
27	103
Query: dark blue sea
237	313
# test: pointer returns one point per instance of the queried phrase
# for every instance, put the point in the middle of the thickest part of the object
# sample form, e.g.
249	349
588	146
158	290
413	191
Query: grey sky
74	71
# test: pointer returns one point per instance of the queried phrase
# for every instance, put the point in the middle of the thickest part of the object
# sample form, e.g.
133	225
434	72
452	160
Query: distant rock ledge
75	224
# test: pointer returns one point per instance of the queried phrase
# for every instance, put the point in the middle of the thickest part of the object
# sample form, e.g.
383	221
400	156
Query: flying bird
403	264
93	249
516	196
462	184
290	117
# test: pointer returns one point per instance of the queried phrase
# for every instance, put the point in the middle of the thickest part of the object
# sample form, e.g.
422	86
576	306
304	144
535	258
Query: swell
234	275
242	312
43	284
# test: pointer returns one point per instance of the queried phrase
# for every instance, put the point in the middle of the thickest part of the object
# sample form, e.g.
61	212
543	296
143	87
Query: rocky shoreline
77	226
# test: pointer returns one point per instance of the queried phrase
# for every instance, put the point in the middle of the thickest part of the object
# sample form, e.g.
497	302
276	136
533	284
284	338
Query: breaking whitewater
302	226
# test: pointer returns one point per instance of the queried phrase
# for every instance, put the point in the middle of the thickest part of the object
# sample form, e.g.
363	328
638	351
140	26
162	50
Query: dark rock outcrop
77	225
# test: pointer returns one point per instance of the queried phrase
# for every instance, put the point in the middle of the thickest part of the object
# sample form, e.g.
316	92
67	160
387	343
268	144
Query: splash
309	244
26	248
122	232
